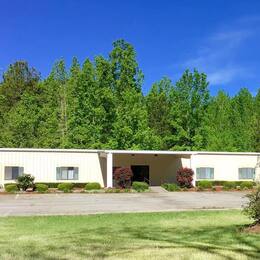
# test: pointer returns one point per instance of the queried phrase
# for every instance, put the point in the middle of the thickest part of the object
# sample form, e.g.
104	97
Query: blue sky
220	38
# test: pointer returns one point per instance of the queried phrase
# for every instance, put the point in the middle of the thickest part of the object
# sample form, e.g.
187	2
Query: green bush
222	183
25	181
140	186
252	209
75	184
11	188
246	184
93	186
113	190
171	187
205	184
40	187
65	187
230	185
7	184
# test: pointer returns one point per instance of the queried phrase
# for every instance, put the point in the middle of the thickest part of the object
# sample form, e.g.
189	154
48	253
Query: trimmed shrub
140	186
25	181
230	185
65	187
40	187
75	184
171	187
7	184
205	184
185	177
113	190
11	188
252	209
123	176
93	186
222	183
246	184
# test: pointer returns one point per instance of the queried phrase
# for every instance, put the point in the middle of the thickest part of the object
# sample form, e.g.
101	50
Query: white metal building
157	167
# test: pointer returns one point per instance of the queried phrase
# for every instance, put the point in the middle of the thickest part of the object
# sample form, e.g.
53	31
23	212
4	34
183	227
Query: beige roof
122	151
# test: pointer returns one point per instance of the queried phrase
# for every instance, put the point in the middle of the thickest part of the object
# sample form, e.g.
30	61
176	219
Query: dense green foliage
54	185
11	188
93	186
247	185
222	183
41	187
171	187
25	181
229	185
205	184
100	104
252	209
65	187
140	186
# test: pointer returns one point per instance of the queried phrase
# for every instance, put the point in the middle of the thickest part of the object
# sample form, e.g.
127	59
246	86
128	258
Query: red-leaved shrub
185	177
123	176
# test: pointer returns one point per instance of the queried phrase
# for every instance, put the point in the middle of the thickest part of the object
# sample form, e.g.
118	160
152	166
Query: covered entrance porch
153	167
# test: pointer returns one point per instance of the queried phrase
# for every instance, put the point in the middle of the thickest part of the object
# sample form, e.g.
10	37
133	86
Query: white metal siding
225	166
42	165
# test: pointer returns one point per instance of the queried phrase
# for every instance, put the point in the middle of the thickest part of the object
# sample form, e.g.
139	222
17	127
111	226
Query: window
205	173
246	173
12	172
67	173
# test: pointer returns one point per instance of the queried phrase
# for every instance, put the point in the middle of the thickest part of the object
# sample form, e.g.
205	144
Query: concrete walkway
76	204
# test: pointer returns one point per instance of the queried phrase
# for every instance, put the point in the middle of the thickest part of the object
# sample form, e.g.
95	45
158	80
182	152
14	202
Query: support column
257	170
257	174
109	170
194	170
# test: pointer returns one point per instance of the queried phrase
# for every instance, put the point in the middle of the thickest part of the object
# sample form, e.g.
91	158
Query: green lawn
179	235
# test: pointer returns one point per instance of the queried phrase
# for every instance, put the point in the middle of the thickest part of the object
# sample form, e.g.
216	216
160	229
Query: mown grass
176	235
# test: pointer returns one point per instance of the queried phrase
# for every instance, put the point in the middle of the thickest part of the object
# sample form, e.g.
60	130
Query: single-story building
154	167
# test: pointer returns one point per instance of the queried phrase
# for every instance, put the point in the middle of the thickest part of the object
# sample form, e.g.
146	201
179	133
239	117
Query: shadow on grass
212	240
103	242
121	239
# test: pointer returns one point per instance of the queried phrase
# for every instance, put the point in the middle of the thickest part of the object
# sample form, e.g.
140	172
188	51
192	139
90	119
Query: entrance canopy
153	167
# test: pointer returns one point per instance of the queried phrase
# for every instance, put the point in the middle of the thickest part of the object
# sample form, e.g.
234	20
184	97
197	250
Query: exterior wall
42	165
225	166
93	164
162	168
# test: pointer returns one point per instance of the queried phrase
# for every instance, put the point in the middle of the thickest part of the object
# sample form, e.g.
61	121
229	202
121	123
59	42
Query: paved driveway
73	204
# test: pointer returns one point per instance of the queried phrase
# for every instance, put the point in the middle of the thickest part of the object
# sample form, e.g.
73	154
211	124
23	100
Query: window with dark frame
67	173
206	173
246	173
12	172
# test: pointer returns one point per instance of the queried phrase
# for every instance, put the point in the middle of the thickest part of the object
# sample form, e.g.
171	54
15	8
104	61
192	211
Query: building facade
154	167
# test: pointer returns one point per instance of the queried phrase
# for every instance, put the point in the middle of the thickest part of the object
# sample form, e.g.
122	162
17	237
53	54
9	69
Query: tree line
100	104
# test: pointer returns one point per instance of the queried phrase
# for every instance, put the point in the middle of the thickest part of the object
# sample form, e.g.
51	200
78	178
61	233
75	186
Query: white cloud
217	56
223	76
